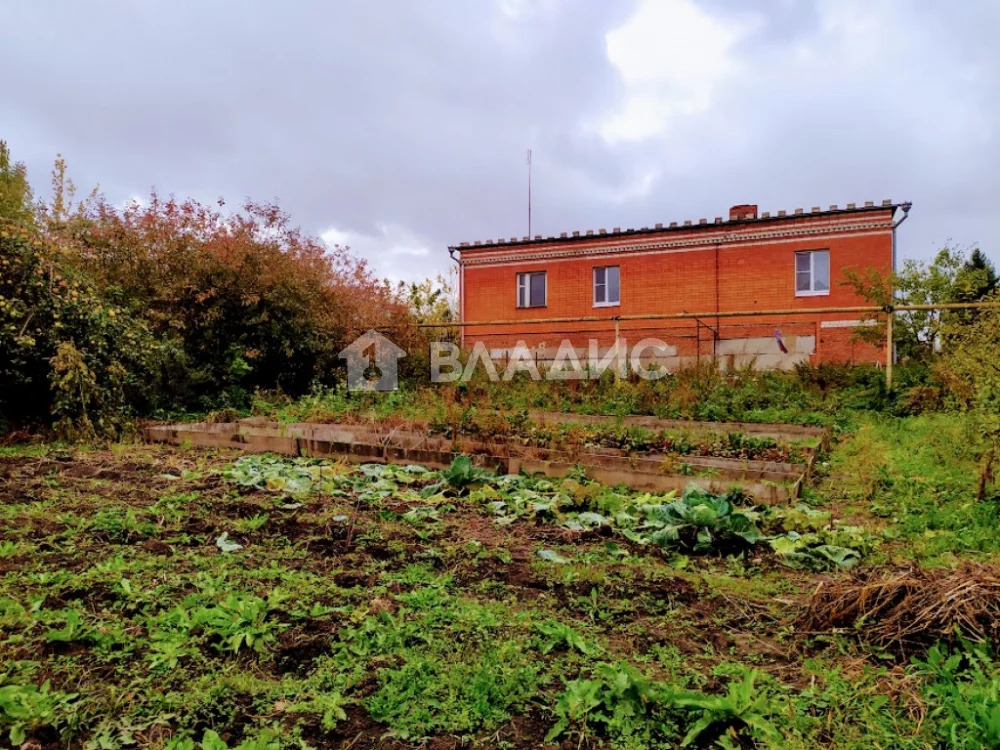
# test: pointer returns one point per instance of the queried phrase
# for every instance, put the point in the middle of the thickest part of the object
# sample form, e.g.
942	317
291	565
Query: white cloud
635	186
637	112
672	56
394	252
334	236
516	10
134	200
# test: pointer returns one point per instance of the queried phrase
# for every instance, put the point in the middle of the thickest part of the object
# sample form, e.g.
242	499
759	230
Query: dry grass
911	608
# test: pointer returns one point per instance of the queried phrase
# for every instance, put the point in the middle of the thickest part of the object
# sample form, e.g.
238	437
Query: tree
975	279
971	367
66	353
918	334
243	298
108	311
15	193
430	300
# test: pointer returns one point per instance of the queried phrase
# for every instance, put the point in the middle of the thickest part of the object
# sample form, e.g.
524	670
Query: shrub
66	352
245	300
962	691
109	312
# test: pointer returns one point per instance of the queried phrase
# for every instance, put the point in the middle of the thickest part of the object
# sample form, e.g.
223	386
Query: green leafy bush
432	695
556	635
743	709
66	352
462	474
962	690
621	703
617	701
238	621
212	741
698	522
24	708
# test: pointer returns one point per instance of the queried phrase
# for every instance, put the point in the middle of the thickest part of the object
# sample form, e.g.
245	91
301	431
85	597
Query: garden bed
511	452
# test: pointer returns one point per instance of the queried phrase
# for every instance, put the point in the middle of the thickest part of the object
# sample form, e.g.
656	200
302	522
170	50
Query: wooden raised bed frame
769	482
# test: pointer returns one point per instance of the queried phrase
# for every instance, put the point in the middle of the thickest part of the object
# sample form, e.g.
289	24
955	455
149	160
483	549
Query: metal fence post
697	324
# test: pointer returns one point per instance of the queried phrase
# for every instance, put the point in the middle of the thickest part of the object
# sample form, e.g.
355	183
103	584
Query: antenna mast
529	193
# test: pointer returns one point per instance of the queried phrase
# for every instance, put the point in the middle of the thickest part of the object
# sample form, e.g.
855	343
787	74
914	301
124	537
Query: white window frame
811	291
607	302
524	283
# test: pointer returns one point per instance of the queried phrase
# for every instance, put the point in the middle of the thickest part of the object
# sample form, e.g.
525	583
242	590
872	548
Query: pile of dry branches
910	608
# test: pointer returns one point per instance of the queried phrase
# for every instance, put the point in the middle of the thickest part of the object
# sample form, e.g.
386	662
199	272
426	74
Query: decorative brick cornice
681	244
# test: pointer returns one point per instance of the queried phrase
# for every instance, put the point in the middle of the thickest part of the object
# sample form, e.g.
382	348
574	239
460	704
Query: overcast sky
400	127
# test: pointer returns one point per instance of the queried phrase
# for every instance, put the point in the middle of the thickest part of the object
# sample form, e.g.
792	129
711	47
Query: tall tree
971	368
950	277
16	203
975	279
917	333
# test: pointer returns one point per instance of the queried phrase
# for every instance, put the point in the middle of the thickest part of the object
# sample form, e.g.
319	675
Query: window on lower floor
607	289
812	273
531	290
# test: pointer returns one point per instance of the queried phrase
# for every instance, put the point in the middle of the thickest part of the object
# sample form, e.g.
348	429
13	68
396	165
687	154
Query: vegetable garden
652	454
283	564
188	597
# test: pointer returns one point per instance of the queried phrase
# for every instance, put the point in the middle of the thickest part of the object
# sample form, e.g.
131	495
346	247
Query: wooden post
618	354
888	349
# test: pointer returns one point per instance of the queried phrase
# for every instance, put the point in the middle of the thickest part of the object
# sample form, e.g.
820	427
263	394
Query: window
531	289
812	273
607	290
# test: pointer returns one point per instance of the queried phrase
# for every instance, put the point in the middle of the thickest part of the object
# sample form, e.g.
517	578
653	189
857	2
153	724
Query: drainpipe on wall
906	213
715	335
461	293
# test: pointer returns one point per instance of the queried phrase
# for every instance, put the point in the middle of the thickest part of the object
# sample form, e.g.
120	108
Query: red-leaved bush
239	299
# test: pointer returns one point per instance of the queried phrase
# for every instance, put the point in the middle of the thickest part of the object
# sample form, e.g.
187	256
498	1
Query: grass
173	598
823	395
916	476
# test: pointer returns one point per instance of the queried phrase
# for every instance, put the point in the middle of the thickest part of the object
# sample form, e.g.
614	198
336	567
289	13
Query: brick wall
735	266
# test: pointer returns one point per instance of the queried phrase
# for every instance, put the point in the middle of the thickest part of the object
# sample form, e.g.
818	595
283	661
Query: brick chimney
743	211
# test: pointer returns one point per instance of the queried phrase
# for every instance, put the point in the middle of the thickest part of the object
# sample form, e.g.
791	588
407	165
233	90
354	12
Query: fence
712	334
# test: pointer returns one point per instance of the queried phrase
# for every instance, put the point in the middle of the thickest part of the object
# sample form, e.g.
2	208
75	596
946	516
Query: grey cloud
363	115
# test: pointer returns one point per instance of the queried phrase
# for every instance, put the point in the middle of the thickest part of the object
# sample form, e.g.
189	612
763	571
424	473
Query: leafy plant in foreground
212	741
808	551
24	708
962	690
238	621
557	634
622	703
618	701
432	694
741	707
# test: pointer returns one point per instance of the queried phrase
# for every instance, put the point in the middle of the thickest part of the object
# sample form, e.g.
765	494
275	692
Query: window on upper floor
531	291
812	273
607	289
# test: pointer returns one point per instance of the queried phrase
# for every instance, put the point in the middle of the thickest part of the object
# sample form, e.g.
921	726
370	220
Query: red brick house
750	261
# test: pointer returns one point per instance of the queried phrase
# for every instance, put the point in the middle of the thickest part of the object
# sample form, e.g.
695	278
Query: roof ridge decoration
542	253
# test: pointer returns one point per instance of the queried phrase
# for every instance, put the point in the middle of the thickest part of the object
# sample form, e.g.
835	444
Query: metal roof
686	226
